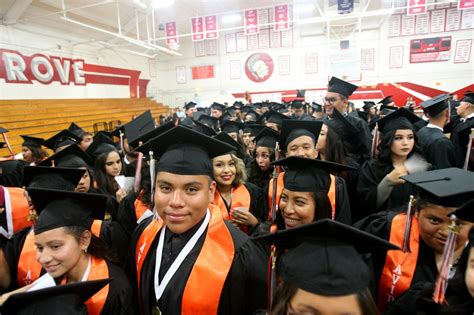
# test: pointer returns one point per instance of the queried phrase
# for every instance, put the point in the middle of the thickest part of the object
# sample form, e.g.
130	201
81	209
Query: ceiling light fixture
231	18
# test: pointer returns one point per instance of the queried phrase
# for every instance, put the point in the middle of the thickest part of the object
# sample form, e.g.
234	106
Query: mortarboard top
465	212
62	138
342	87
253	129
73	175
231	126
435	105
309	175
101	144
151	134
324	257
59	208
136	128
3	130
386	100
60	299
267	137
72	156
300	93
224	137
468	97
275	117
297	104
204	129
189	105
449	187
238	104
208	120
185	151
218	106
292	129
75	129
317	107
32	141
255	116
400	119
368	105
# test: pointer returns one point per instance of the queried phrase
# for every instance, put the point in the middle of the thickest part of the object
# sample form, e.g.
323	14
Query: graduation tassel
469	148
406	237
121	142
448	253
138	173
276	173
152	174
375	141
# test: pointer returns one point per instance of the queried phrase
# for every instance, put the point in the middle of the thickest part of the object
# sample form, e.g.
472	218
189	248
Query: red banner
430	49
465	4
171	32
197	28
251	21
416	7
211	27
202	72
281	17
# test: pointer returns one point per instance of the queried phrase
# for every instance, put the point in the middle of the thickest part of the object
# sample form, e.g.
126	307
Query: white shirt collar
430	125
467	117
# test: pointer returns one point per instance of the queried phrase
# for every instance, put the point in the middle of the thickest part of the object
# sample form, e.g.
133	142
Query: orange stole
240	198
140	208
28	268
203	288
17	208
99	270
399	267
280	185
95	228
332	196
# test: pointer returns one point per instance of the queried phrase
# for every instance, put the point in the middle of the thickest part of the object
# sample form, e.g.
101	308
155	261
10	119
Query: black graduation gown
371	174
460	138
437	149
379	224
244	291
11	173
343	205
126	215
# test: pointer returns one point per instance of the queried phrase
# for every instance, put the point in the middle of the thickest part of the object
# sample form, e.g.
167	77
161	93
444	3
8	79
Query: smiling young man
440	193
186	259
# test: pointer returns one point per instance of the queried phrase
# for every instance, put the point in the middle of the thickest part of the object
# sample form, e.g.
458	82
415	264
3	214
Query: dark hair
38	154
384	147
105	183
97	247
285	292
78	163
145	187
256	175
334	150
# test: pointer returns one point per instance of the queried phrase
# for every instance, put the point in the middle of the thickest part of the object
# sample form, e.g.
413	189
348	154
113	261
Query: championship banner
210	27
251	21
171	32
345	6
416	7
197	28
281	17
465	4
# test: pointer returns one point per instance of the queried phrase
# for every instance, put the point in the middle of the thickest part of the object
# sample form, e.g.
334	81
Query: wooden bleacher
44	118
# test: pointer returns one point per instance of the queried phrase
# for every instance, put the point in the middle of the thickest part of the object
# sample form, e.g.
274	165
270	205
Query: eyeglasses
331	100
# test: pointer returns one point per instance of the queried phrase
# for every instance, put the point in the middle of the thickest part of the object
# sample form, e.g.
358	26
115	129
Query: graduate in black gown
379	185
436	147
440	192
461	128
220	270
357	142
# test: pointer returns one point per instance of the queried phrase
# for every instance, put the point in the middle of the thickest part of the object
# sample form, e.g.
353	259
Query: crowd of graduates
278	208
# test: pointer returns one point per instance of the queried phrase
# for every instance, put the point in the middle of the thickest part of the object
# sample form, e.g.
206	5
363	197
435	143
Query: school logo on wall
259	67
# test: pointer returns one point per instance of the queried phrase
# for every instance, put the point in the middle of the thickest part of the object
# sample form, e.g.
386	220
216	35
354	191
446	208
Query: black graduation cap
75	129
368	105
253	129
114	133
202	128
342	87
138	127
189	105
300	93
257	105
435	105
275	117
238	105
292	129
3	130
468	97
224	137
309	175
101	144
151	134
185	151
2	144
402	118
72	156
29	141
449	187
225	116
208	121
297	104
386	100
253	114
61	139
231	126
317	107
218	106
324	257
57	300
267	137
73	175
465	212
59	208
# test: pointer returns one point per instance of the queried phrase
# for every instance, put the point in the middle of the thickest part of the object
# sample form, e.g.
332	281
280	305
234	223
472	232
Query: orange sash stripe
240	198
95	228
28	268
99	270
140	208
332	196
280	185
19	209
399	267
